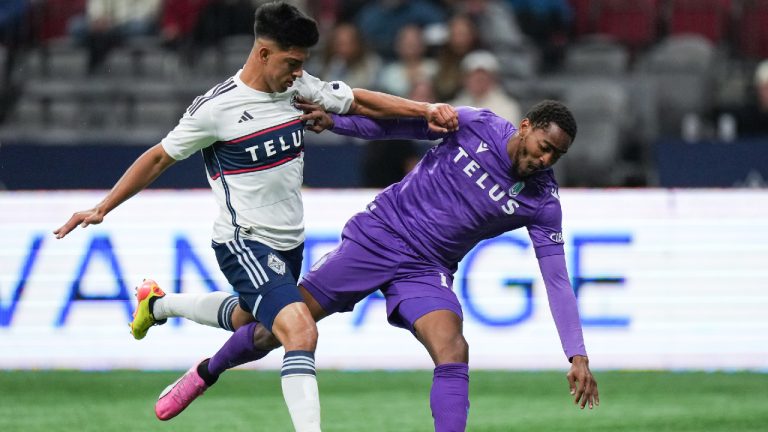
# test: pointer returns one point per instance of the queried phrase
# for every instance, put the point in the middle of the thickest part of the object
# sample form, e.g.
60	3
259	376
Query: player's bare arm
138	176
441	117
583	385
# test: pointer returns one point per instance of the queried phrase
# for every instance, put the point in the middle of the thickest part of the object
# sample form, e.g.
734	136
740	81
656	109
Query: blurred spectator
500	33
462	39
382	20
482	89
348	59
495	22
411	66
107	23
178	20
752	118
547	22
222	18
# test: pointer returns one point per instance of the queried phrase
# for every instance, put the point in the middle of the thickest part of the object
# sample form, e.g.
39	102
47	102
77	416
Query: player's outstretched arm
582	384
442	118
138	176
364	127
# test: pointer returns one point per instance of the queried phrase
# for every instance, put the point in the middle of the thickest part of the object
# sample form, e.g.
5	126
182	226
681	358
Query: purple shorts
371	257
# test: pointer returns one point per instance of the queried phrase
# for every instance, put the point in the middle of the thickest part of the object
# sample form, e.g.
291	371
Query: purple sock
239	349
449	398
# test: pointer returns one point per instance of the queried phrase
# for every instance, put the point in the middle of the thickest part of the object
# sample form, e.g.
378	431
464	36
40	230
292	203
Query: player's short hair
551	111
286	25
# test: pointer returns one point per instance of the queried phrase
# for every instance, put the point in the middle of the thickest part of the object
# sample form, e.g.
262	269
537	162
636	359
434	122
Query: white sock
300	390
200	308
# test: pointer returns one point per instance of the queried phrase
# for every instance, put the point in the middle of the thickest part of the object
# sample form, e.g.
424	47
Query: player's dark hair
286	25
551	111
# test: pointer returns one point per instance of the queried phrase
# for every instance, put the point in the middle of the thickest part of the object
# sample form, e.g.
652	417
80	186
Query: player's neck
512	145
253	75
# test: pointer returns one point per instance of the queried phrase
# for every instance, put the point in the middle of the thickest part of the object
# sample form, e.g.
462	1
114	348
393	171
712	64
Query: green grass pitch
387	401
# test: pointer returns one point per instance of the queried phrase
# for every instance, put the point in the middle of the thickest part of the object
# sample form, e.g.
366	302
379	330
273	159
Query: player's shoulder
469	114
212	99
307	81
545	184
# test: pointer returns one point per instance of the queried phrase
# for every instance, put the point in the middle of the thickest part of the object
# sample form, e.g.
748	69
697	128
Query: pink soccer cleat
177	396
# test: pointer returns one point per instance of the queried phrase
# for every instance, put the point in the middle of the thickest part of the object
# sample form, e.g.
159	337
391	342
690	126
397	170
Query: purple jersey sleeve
546	232
562	303
371	129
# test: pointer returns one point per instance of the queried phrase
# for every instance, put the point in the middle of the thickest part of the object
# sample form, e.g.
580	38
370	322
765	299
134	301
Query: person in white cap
482	88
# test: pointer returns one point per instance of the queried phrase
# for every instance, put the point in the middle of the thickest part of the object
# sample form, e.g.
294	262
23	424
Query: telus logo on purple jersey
496	192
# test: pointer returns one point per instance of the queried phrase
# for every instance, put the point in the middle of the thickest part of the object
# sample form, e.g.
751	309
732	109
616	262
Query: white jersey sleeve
334	96
194	132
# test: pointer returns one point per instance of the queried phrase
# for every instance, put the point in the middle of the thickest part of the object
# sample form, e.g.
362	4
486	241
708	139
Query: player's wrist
578	358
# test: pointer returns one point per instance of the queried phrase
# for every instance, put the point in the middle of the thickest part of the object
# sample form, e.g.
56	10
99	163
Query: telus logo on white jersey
270	147
496	192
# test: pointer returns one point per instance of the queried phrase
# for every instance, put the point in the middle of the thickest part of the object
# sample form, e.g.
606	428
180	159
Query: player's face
538	148
283	67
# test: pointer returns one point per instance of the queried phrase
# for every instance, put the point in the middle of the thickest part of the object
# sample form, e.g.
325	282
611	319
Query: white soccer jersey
253	147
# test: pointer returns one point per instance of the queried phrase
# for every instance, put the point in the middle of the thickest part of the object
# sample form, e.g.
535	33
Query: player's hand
314	115
442	118
82	218
582	384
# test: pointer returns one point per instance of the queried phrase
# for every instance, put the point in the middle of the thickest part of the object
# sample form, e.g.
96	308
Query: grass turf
387	401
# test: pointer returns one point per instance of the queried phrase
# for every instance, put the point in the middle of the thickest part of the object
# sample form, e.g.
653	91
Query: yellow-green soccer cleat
146	294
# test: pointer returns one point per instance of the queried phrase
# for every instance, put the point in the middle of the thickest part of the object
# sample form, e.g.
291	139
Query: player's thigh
261	276
348	274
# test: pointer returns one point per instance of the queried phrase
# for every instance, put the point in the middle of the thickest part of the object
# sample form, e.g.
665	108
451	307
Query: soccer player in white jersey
251	137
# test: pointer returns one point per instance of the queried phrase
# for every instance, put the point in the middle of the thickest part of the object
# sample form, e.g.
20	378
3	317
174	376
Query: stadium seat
709	18
27	114
63	113
65	60
600	108
583	16
753	29
631	22
121	63
681	68
596	56
158	114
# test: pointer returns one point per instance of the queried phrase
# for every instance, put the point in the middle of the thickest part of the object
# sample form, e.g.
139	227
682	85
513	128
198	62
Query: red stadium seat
631	22
583	16
753	29
50	18
709	18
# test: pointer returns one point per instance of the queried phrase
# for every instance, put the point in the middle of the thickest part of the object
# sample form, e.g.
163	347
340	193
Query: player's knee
453	350
295	328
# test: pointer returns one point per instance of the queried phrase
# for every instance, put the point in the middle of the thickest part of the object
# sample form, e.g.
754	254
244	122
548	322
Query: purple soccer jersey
462	192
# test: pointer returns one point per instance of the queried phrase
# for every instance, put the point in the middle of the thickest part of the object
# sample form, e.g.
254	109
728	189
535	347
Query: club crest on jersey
516	189
276	264
295	100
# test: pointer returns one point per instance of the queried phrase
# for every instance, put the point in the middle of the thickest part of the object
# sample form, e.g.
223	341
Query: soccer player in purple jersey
483	180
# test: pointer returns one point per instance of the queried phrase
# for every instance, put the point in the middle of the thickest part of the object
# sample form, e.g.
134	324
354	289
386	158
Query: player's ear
263	54
525	125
